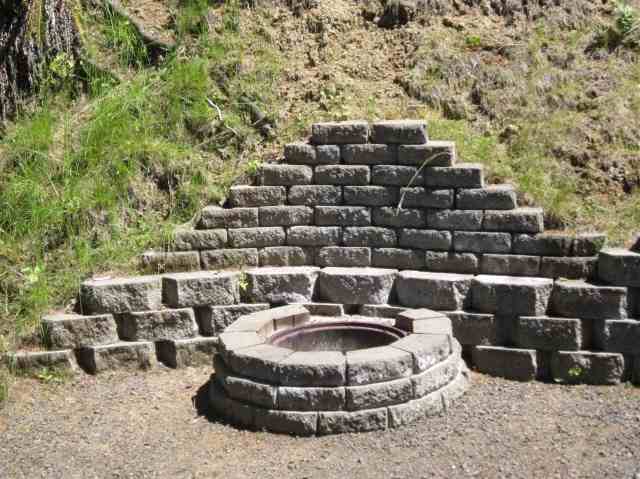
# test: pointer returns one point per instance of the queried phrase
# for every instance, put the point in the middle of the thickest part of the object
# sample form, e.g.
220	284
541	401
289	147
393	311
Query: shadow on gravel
200	403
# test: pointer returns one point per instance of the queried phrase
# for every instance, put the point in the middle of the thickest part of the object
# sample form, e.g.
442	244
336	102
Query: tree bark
32	34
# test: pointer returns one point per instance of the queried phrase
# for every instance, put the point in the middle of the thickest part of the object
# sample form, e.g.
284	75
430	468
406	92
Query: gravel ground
151	425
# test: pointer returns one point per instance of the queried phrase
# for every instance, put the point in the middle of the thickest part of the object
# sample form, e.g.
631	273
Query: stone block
213	320
403	132
619	336
371	195
397	258
250	196
121	295
327	154
425	239
588	244
96	359
314	235
342	175
356	285
214	217
424	321
444	262
403	218
569	268
300	153
433	153
284	175
286	215
444	291
257	360
579	299
187	239
369	154
311	399
314	195
456	388
333	310
344	256
425	349
156	262
519	220
33	361
313	369
546	244
335	422
372	236
481	242
395	175
510	264
471	329
380	310
509	363
377	365
184	290
619	267
287	422
466	220
412	411
232	258
463	175
586	367
256	237
493	197
293	284
548	334
418	197
379	394
69	331
180	353
511	295
342	216
252	392
339	133
437	376
157	325
286	256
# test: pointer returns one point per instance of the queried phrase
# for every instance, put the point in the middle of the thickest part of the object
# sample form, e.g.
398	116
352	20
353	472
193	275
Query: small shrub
473	41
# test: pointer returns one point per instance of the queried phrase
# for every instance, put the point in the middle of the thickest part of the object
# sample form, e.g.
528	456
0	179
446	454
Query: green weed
124	38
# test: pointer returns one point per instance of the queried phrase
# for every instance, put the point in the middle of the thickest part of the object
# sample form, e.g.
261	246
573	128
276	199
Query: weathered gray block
509	363
214	320
356	285
619	267
397	258
293	284
327	154
579	299
286	256
570	268
300	153
377	365
247	196
369	154
404	132
437	376
264	323
418	197
120	295
96	359
394	175
519	220
433	153
334	422
235	258
33	361
257	360
249	391
481	242
379	395
587	367
403	218
425	349
234	411
333	310
285	175
466	220
213	217
371	195
256	237
463	175
311	399
412	411
546	244
588	244
340	133
444	291
68	331
185	239
493	197
314	235
380	310
511	295
371	236
425	239
157	325
510	264
451	262
313	195
156	262
548	334
456	388
472	329
342	216
183	290
286	215
344	256
424	321
287	422
619	336
313	369
342	175
181	353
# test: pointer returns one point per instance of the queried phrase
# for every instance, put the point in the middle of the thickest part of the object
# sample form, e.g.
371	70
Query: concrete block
351	175
187	239
334	422
344	256
286	215
333	310
249	196
424	321
569	268
403	132
313	195
313	369
397	258
311	399
371	195
180	353
213	320
548	334
403	218
327	154
463	175
443	291
271	174
369	154
545	244
314	235
519	220
395	175
510	264
425	349
456	388
232	258
377	365
120	295
425	239
342	216
96	359
257	360
588	244
380	310
156	262
418	197
287	422
466	220
492	197
157	325
339	133
356	285
372	236
481	242
293	284
286	256
256	237
436	376
509	363
586	367
404	414
251	392
69	331
300	153
579	299
34	361
619	267
214	217
184	290
379	394
433	153
620	336
511	295
444	262
471	329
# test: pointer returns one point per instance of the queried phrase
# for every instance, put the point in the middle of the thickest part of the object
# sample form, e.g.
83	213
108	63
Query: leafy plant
473	41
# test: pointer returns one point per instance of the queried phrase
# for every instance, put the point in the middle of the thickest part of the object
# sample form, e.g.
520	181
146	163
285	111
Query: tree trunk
32	34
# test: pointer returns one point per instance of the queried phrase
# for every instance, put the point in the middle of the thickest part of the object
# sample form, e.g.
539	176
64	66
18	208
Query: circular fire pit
285	371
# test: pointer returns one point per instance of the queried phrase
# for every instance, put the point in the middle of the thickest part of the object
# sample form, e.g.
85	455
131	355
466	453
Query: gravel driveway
148	425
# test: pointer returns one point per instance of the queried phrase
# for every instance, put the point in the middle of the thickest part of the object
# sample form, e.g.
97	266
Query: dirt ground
153	425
